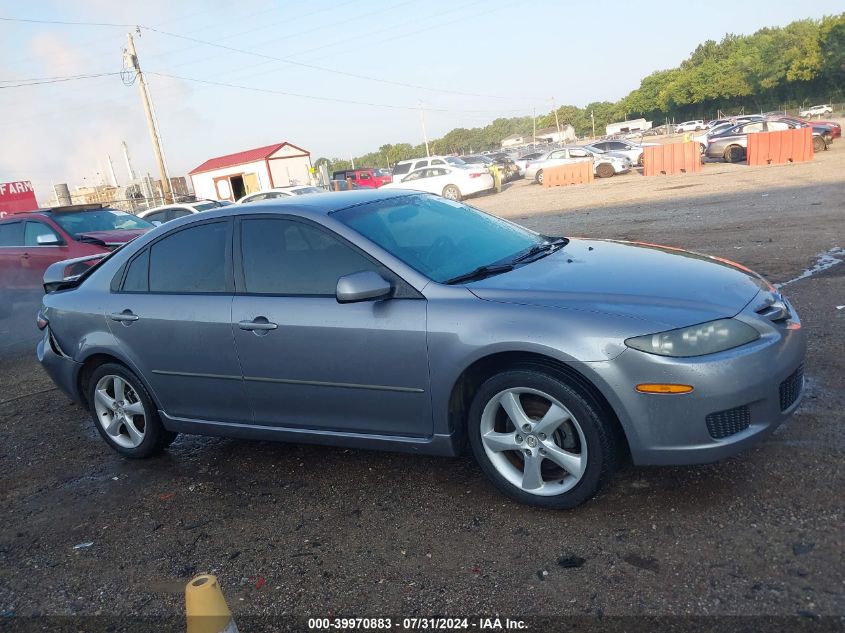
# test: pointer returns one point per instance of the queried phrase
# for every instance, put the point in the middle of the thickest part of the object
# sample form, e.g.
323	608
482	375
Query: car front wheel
124	413
539	177
605	170
540	440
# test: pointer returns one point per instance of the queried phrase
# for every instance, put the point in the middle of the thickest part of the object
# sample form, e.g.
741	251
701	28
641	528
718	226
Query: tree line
772	69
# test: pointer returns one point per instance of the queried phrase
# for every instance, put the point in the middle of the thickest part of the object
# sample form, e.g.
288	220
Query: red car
369	178
30	242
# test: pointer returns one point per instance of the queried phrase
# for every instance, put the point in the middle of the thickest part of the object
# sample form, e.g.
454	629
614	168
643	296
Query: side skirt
444	445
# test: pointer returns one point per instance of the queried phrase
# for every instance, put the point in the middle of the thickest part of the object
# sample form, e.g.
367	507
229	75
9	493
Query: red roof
239	158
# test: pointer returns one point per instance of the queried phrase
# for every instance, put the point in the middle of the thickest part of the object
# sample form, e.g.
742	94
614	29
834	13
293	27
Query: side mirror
363	286
48	240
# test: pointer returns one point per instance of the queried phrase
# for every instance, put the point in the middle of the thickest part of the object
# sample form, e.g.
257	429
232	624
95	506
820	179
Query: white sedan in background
279	192
167	212
452	182
605	164
819	110
690	126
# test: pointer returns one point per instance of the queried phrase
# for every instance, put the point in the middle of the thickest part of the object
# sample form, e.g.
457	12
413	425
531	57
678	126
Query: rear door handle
125	317
260	324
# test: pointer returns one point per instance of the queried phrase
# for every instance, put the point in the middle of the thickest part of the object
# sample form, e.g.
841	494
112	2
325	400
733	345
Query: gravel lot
308	530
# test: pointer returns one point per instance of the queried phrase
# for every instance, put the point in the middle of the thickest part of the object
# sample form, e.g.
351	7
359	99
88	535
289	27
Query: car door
11	253
311	362
42	247
172	316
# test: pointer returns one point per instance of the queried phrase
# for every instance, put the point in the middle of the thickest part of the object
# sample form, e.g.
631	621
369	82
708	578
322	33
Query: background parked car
633	151
454	182
31	242
521	161
366	178
818	110
690	126
279	192
167	212
407	166
605	164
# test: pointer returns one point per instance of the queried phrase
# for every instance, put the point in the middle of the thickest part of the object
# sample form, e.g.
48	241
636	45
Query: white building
636	125
233	176
551	135
515	140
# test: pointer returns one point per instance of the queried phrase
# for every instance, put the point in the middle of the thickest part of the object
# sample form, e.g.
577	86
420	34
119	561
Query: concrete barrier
570	174
677	158
777	148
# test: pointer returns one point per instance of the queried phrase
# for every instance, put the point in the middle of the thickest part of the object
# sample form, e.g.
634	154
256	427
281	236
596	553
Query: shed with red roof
232	176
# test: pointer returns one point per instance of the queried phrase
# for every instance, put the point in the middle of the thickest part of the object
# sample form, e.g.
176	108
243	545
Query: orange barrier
571	174
677	158
775	148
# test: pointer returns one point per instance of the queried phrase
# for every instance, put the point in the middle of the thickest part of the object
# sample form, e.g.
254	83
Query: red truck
32	241
369	178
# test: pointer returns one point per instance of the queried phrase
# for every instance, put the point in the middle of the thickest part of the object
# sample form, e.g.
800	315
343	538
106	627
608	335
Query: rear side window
403	168
34	230
137	275
11	234
190	261
291	258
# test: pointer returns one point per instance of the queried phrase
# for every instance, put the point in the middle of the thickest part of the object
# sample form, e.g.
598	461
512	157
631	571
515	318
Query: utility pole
557	121
425	135
155	137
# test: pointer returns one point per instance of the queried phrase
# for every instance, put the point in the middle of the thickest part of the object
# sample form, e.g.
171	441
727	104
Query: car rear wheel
124	413
605	170
640	159
540	440
734	154
818	144
451	192
539	177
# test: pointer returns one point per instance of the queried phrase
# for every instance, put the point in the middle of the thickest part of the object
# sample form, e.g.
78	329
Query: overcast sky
469	61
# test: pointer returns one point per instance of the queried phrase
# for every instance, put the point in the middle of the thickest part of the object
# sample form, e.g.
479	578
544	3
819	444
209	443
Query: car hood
116	237
666	286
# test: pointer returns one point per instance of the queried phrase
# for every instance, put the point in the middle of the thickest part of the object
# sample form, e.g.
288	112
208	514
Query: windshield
101	220
593	150
454	160
205	206
439	238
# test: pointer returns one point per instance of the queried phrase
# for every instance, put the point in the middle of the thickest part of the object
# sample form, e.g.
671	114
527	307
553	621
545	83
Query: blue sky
504	57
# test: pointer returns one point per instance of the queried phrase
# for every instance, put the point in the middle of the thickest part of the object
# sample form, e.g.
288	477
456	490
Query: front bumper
740	384
61	368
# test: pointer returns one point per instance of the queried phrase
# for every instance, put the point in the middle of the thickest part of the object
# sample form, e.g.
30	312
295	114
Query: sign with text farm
16	197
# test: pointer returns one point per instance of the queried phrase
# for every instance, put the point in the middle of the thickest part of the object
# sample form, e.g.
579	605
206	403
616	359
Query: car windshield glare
101	220
439	238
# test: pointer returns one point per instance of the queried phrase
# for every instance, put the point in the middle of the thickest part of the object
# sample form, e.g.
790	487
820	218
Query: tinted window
421	163
34	230
179	213
158	216
191	260
363	176
137	276
414	175
292	258
404	168
11	234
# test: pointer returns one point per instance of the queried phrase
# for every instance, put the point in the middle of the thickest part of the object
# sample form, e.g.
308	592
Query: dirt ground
305	530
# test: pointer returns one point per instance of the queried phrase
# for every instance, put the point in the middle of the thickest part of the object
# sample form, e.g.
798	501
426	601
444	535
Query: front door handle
258	324
125	317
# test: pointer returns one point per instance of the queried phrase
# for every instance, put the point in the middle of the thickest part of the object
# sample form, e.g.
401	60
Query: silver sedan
403	321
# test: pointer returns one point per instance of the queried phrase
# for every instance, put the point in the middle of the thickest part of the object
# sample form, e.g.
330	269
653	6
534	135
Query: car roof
317	203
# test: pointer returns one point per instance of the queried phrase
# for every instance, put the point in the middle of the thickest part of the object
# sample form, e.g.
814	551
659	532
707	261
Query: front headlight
696	340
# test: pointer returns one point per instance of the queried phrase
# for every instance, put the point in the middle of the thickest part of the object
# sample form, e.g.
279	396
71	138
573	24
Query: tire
133	411
605	170
539	177
451	192
640	159
734	154
702	148
818	144
584	440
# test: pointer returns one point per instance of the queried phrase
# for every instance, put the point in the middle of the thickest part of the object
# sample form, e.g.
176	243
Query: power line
313	97
67	23
54	80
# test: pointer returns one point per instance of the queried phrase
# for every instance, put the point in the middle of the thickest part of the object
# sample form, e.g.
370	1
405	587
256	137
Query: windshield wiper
546	248
480	273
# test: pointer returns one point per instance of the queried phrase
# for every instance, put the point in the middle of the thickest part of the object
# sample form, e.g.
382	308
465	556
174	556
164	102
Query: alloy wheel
533	441
120	411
